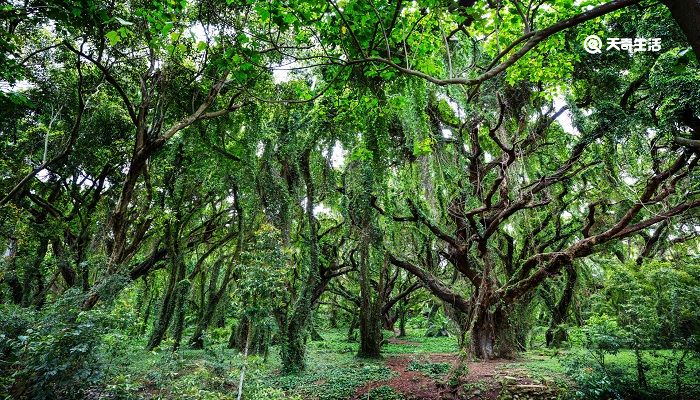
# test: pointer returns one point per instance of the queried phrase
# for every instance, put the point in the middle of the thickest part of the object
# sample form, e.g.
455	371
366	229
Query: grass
622	368
331	376
334	372
384	393
415	342
434	370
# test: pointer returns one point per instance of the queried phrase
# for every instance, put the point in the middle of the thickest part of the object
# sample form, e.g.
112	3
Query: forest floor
426	377
412	368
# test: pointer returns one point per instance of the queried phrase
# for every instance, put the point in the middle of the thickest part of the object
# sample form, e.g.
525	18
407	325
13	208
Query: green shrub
272	394
49	354
434	370
384	393
593	380
603	336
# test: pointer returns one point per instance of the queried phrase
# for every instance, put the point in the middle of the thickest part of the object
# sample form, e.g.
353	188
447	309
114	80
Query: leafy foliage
206	178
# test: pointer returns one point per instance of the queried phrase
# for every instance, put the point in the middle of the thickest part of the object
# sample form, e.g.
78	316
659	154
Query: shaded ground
426	377
414	367
394	340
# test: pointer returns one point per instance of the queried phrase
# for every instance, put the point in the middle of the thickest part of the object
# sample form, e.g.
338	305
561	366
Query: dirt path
485	380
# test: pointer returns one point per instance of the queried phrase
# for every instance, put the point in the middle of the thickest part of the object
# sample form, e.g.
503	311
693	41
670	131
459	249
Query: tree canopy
266	162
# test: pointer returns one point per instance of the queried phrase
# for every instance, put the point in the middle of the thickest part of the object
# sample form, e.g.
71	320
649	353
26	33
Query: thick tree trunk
402	321
170	301
370	328
351	329
482	343
259	337
555	334
34	282
687	16
294	329
10	277
490	336
207	309
370	335
293	347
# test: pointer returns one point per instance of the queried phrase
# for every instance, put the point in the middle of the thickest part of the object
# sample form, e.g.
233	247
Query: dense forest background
332	199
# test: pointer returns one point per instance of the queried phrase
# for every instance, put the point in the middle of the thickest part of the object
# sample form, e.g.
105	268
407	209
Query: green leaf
289	18
167	27
113	37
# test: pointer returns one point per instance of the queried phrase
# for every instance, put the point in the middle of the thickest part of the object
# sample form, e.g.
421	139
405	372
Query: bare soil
486	380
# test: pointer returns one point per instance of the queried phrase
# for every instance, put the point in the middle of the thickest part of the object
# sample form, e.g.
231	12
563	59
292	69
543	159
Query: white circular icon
593	44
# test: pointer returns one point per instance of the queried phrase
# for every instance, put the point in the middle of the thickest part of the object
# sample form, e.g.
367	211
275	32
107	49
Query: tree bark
34	278
10	277
68	274
207	308
259	341
402	318
293	346
170	301
490	337
555	335
351	329
687	16
160	326
370	313
181	289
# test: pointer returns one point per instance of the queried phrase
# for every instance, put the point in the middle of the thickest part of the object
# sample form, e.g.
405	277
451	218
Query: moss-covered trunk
294	326
370	311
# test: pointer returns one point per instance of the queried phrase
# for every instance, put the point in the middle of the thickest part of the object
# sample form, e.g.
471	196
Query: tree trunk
182	288
160	326
206	308
334	314
147	314
555	334
217	293
10	277
170	300
687	16
351	329
483	339
389	320
315	336
370	328
259	341
293	345
641	368
64	267
490	335
34	278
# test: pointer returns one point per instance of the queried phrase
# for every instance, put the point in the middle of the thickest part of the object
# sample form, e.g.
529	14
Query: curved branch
110	78
531	40
436	287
